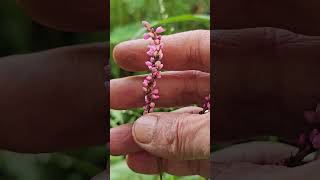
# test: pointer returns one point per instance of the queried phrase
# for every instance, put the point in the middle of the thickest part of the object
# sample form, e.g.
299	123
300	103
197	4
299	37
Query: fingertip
121	140
142	162
130	55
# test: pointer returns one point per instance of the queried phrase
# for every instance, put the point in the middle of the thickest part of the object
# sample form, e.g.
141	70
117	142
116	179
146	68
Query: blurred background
125	23
18	34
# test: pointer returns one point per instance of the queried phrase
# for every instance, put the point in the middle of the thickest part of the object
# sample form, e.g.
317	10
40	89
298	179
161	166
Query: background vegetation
18	34
125	22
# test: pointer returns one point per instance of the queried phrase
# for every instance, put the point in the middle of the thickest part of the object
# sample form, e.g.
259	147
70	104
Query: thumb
174	135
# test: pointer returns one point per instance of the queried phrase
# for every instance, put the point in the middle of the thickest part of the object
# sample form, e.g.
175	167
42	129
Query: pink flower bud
208	105
159	30
316	142
146	36
144	89
160	55
159	37
150	67
152	59
148	63
154	69
160	66
155	97
151	109
145	83
152	104
148	78
146	24
155	91
159	75
151	52
157	63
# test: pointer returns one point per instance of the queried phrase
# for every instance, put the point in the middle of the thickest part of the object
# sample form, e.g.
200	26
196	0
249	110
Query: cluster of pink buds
206	105
154	64
309	141
312	140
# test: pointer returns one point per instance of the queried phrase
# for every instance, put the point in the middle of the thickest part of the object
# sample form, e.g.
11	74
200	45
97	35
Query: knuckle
192	86
195	54
179	143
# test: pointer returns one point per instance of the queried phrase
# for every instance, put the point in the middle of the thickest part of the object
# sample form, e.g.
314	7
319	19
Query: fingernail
144	129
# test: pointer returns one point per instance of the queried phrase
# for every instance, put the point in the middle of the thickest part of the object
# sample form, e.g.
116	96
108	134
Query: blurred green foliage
19	34
125	22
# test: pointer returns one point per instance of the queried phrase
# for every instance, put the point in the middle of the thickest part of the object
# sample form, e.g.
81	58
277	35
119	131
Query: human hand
257	160
265	79
59	93
181	138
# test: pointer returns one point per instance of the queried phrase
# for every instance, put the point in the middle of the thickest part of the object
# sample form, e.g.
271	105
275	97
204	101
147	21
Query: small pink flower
146	36
159	30
155	91
144	89
148	78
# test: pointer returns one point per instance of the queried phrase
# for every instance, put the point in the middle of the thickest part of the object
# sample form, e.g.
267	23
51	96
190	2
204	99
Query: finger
269	84
259	152
143	162
176	89
182	51
121	140
171	135
60	96
190	109
243	14
71	15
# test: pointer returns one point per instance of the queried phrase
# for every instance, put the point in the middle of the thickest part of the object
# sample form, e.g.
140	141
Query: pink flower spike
146	36
148	63
146	24
152	104
316	142
160	30
145	83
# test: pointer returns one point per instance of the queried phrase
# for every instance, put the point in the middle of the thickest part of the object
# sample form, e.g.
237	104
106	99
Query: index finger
182	51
